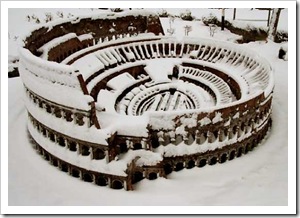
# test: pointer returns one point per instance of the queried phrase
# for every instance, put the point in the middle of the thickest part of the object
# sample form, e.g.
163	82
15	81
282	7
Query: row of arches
69	115
175	164
137	176
87	176
234	151
73	145
210	136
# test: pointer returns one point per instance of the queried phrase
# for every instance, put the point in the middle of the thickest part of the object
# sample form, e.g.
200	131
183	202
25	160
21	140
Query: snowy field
259	178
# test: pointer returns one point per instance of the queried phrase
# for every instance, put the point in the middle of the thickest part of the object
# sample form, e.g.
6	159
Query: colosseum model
112	100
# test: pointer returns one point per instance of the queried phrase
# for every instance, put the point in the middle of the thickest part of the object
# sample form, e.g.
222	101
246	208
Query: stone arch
202	162
117	184
240	152
242	128
44	131
213	160
87	177
152	176
48	108
211	136
249	146
54	162
64	167
79	119
246	149
223	158
46	156
178	139
203	138
137	176
123	147
57	112
98	154
72	146
137	146
41	103
101	181
232	155
51	136
190	164
168	168
68	115
85	150
234	129
190	139
179	166
216	134
61	141
75	173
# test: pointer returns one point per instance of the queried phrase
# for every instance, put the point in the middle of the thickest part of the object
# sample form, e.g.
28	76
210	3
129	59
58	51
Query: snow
84	133
159	69
264	171
55	42
217	118
120	81
60	94
88	65
135	126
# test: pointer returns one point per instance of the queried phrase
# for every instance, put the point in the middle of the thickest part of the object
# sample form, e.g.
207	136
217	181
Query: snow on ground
258	178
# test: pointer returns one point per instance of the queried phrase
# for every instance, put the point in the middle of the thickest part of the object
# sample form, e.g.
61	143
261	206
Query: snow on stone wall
52	81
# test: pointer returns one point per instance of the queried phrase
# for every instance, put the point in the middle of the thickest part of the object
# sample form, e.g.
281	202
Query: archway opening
64	167
51	136
98	154
137	146
87	177
101	181
232	155
179	166
154	143
202	163
85	150
75	173
55	162
250	148
246	149
223	158
168	169
213	161
137	176
117	184
61	142
240	152
72	146
152	176
190	164
46	155
123	147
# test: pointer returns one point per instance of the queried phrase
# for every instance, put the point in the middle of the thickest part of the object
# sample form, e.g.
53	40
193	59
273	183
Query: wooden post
234	13
269	16
223	19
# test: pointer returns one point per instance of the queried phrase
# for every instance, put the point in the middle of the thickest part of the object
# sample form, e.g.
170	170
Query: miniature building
112	101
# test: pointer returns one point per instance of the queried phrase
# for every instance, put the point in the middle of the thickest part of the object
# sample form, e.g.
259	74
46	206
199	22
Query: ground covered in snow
259	178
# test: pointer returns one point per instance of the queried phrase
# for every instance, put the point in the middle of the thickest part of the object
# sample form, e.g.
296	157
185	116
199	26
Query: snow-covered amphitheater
112	100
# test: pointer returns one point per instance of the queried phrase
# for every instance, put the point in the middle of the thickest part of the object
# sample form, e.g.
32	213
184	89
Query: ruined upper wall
100	27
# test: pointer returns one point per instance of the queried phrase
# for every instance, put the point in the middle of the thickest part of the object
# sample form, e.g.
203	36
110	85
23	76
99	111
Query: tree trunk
273	24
